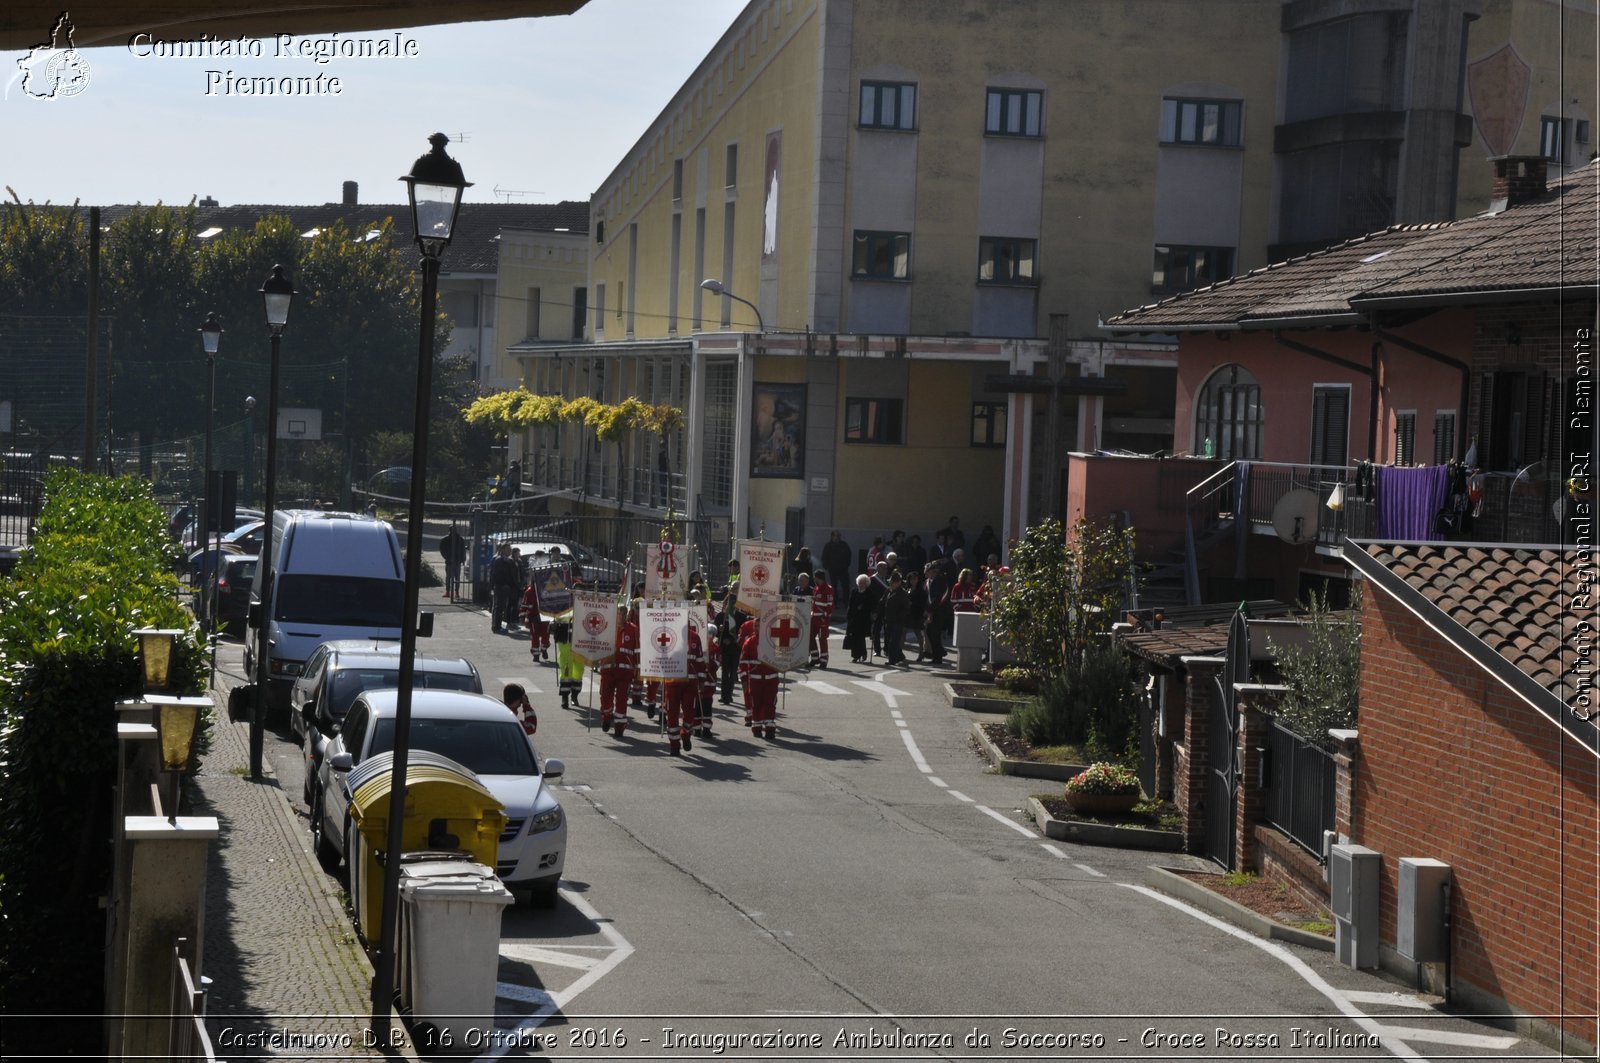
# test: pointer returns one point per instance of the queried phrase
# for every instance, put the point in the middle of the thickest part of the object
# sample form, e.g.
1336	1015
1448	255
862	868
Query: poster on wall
778	435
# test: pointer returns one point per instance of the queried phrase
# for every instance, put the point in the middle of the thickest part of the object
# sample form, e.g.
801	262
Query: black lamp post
276	295
434	186
210	340
248	494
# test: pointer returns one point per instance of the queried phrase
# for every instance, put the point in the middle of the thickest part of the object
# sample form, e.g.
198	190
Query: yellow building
921	209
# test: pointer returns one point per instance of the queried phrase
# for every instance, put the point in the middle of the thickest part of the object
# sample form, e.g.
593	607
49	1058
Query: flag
666	573
594	627
664	640
554	584
760	570
782	628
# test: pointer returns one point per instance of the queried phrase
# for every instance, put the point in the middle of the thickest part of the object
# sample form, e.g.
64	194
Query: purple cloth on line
1409	501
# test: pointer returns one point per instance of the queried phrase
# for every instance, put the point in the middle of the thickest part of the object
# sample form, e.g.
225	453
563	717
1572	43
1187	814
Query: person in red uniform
516	699
708	675
964	593
682	697
538	627
618	672
747	631
760	689
821	616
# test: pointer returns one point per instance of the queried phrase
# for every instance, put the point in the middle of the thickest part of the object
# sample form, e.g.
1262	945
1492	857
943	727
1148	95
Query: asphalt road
863	887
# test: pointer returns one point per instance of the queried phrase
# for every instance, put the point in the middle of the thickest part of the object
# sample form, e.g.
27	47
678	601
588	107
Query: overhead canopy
26	23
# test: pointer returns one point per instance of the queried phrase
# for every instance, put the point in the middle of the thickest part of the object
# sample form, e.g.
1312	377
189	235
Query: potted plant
1103	787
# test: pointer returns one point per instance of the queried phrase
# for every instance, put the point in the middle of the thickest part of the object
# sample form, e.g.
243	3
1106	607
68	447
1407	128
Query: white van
334	576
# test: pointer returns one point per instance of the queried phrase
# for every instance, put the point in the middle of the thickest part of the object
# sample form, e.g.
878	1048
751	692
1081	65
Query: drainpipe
1370	372
1454	363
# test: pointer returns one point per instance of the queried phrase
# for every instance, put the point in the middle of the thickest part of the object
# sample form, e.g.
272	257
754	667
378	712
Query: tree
1323	673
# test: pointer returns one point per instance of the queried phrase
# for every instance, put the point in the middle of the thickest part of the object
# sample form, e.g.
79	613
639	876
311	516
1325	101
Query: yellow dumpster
448	811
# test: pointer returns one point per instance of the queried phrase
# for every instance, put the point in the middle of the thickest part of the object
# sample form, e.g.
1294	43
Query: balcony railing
600	479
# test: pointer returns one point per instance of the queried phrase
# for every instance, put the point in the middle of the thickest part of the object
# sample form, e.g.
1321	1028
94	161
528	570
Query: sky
540	109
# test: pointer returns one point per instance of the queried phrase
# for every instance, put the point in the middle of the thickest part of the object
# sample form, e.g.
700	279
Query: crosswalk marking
1446	1037
822	688
1396	1000
522	994
523	681
538	954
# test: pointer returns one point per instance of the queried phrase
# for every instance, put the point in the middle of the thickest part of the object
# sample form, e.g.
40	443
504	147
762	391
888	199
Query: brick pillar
1257	703
1191	760
1344	783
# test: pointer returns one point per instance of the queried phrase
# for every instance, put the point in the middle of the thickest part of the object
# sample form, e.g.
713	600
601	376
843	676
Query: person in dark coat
896	615
987	543
836	558
453	548
504	583
858	619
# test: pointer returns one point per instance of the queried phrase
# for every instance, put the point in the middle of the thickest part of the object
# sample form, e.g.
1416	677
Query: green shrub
1094	708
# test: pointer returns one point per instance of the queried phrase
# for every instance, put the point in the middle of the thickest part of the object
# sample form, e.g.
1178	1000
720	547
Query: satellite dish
1294	518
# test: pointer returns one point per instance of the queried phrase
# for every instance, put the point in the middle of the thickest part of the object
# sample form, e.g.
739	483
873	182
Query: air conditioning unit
1353	897
1420	921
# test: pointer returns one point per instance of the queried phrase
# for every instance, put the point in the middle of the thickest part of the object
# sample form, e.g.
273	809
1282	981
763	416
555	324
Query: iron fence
603	546
1299	787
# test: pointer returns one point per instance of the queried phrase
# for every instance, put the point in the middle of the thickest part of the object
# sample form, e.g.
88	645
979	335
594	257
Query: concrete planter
999	702
1103	834
1025	768
1237	914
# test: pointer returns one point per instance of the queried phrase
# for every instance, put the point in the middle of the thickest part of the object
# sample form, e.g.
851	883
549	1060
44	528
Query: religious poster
666	572
594	626
664	640
781	630
760	572
555	589
778	431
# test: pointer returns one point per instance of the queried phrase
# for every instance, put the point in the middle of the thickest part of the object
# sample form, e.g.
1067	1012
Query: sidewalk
287	974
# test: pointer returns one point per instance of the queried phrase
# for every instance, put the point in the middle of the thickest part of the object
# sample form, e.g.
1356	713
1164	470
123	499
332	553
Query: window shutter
1444	437
1330	426
1405	438
1534	419
1485	430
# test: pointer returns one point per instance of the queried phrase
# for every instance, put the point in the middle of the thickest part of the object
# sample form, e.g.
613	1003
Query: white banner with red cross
760	571
666	571
781	630
664	640
594	626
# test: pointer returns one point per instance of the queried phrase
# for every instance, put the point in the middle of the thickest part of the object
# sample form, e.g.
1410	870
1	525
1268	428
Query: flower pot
1102	804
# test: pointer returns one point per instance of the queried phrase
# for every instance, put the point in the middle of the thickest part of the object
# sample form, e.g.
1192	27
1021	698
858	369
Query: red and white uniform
538	627
822	601
682	699
527	717
964	597
747	631
617	674
760	688
708	683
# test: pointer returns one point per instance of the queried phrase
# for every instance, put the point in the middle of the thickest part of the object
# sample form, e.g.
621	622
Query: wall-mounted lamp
177	722
155	653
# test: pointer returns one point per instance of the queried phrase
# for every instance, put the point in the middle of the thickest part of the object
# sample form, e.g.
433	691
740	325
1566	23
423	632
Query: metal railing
1300	788
188	1039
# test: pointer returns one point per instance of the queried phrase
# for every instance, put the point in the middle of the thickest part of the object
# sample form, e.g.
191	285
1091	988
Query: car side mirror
425	624
308	712
341	762
554	769
255	614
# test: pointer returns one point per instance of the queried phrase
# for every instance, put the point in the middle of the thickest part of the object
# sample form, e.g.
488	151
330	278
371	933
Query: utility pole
91	356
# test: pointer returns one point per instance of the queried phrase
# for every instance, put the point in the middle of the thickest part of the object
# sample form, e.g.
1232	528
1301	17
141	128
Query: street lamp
249	449
434	186
210	340
714	286
276	295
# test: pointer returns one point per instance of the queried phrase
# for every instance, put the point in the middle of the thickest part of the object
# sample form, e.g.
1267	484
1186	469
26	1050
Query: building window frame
1444	436
1553	138
875	421
1185	122
1008	260
1185	267
1330	424
989	422
885	105
1229	412
878	254
1011	112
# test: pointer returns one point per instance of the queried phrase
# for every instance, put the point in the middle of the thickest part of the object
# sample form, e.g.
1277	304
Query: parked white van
334	576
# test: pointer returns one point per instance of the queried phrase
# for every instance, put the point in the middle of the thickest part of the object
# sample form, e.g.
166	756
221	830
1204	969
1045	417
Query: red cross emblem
595	623
759	574
783	632
664	638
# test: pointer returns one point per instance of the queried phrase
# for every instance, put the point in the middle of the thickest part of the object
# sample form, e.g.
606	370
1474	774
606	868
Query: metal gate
602	546
1222	746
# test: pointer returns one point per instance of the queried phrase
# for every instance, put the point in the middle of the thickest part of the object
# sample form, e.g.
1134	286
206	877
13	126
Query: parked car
337	671
233	592
392	481
190	535
483	736
594	570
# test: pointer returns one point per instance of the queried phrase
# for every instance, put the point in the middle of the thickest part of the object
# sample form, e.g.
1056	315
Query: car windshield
348	682
348	601
486	747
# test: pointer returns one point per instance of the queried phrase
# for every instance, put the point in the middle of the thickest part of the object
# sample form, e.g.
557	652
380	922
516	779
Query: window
1405	437
874	420
988	424
1330	424
1228	415
1444	436
1182	267
677	180
1553	139
580	312
1005	260
1013	113
600	306
1200	122
461	306
533	314
600	231
888	105
732	171
881	255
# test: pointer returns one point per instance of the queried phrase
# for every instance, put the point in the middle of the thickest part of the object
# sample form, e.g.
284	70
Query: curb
1106	834
973	703
1026	768
1209	900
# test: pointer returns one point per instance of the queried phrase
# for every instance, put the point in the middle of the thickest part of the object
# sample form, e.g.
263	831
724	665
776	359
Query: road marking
1389	1039
822	688
916	754
536	954
896	714
1007	820
527	684
959	796
902	725
522	994
1052	850
1398	1000
1087	870
1449	1037
887	693
937	781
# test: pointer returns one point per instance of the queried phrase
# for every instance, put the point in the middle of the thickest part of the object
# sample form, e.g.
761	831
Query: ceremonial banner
664	640
781	631
760	570
594	627
555	589
700	621
666	573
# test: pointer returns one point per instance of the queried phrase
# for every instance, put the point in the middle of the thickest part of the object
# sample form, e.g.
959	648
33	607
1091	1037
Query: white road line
1449	1037
1052	850
937	781
527	684
537	954
621	950
1087	870
1007	820
902	725
887	693
507	991
896	714
1397	1000
959	796
1389	1039
822	688
916	754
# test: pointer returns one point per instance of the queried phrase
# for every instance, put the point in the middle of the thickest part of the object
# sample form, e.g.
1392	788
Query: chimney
207	202
1517	179
350	193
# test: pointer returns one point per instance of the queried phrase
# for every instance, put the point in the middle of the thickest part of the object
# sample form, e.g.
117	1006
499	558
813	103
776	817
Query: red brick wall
1453	766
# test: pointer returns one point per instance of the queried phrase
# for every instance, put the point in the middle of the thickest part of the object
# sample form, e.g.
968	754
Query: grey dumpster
449	948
